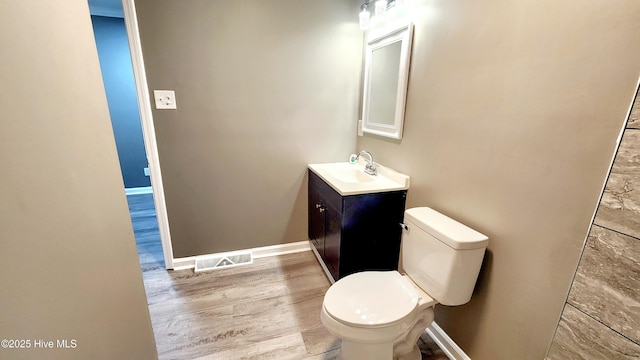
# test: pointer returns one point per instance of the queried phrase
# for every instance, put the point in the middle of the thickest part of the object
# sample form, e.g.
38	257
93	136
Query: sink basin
350	174
350	179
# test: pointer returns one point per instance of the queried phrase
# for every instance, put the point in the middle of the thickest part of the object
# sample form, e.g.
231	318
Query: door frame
148	129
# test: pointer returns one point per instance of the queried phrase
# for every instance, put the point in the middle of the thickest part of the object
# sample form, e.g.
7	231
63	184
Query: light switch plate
165	99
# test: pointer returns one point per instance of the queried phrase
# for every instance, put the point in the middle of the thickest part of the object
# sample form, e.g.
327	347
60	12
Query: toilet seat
371	299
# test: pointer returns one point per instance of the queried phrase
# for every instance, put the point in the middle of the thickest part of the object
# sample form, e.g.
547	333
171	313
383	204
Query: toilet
379	315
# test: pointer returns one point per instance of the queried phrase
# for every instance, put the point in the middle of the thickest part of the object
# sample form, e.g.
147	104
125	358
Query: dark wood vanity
355	232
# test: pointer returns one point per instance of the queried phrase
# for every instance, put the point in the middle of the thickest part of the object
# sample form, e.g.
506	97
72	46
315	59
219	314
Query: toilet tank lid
445	229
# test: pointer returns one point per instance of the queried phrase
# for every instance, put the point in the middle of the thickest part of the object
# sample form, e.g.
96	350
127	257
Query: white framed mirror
387	58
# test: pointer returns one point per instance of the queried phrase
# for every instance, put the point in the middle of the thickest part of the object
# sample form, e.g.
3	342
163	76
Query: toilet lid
371	298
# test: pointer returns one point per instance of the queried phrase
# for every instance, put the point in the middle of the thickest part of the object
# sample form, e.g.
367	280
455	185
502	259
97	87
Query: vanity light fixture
380	7
364	17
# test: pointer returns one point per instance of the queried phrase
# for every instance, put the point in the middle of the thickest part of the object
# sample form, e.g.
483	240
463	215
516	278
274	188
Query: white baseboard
259	252
139	190
184	263
280	249
450	348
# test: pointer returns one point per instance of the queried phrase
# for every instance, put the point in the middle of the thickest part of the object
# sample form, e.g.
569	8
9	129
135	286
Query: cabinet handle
322	209
404	226
318	206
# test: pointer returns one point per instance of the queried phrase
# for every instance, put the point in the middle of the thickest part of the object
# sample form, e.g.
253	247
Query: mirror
386	74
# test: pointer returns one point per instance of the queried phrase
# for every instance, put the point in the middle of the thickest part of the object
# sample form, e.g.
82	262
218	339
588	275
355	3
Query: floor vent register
223	261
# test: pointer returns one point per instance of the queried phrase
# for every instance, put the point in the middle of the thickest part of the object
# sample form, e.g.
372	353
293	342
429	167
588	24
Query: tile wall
601	319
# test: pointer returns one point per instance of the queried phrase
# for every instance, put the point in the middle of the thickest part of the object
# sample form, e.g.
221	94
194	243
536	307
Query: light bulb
364	19
381	7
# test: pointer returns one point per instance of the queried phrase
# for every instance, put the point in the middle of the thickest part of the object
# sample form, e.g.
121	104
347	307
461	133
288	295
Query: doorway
141	172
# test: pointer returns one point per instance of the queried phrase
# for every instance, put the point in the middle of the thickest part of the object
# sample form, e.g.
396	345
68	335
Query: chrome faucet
371	167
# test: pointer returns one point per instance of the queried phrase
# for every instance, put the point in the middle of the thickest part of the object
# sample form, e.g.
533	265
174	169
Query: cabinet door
371	233
332	240
316	219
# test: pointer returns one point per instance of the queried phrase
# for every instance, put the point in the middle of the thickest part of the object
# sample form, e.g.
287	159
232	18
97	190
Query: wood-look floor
267	310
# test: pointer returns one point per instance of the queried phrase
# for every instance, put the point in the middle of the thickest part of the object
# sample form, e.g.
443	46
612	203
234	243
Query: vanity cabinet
356	232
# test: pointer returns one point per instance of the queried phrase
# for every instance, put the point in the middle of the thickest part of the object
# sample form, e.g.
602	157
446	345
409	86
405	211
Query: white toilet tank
441	255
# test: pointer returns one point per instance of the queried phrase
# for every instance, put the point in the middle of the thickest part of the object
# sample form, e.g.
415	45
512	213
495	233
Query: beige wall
69	262
262	88
512	116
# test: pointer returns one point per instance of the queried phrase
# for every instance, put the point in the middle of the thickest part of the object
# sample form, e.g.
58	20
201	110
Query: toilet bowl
379	315
370	311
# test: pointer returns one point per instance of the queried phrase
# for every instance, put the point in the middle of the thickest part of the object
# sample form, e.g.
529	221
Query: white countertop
350	179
